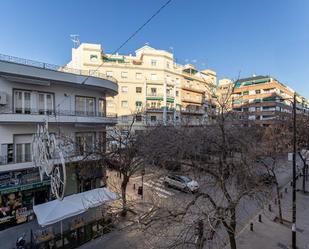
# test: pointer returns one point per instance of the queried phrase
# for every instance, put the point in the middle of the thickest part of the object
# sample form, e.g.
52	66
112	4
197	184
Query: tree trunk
124	185
200	235
279	203
232	240
304	178
231	228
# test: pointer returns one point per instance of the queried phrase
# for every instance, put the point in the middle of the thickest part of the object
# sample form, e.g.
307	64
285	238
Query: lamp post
294	174
294	177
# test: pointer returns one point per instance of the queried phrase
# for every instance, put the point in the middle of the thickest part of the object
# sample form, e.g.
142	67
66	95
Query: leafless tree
122	155
275	144
225	154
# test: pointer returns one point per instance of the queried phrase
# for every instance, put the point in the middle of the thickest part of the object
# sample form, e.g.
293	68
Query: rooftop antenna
75	40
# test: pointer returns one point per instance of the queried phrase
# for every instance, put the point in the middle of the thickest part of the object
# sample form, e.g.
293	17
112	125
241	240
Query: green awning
18	188
154	98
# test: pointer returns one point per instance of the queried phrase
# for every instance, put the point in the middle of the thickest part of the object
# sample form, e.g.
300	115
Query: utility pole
294	177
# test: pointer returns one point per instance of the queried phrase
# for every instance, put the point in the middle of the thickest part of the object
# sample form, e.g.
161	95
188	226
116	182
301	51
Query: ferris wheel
48	157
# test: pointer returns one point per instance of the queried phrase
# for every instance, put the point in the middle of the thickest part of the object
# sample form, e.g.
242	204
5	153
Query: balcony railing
192	88
191	99
51	112
43	65
21	158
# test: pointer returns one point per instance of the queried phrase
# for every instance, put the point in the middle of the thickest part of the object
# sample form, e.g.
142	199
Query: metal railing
57	112
22	158
43	65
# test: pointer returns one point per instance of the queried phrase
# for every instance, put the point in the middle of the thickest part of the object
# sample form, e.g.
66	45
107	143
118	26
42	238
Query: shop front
19	191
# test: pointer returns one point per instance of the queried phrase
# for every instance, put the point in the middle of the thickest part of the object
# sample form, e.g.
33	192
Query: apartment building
74	105
261	98
152	87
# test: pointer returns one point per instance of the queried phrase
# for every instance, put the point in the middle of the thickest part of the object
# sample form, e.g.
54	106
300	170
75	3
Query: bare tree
122	155
275	144
224	154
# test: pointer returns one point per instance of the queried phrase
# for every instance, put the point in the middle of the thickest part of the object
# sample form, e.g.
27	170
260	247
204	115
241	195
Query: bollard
269	207
260	218
286	190
134	186
251	226
291	184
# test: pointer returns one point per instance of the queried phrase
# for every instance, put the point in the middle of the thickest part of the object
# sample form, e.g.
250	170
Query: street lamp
294	175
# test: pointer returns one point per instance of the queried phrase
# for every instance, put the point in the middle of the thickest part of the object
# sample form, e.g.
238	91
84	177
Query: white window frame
124	75
122	104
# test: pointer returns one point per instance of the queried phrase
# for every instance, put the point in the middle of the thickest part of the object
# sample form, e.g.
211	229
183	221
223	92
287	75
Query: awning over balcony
54	211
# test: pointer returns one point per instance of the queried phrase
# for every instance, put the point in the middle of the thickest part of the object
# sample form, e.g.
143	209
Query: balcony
30	115
24	161
191	99
192	88
159	109
42	65
192	111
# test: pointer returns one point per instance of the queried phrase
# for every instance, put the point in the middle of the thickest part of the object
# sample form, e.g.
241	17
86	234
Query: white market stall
57	210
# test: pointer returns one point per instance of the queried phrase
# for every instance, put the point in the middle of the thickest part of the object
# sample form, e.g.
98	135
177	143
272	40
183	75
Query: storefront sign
24	187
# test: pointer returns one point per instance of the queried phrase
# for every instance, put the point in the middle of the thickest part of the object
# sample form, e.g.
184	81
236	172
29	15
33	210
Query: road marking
153	186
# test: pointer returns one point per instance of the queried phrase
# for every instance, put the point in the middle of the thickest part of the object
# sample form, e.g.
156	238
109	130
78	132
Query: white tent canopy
51	212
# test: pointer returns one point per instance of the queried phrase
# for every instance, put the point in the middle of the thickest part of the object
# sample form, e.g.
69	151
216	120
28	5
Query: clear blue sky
251	36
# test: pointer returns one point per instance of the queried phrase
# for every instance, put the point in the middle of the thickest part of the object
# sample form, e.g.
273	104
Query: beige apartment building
260	98
152	87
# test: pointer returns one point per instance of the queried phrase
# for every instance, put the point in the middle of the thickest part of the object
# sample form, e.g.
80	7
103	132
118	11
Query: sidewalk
273	235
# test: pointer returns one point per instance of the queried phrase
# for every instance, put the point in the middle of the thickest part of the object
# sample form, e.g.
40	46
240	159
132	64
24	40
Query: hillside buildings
153	89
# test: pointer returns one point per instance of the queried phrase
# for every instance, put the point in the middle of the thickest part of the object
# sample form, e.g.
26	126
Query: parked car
183	183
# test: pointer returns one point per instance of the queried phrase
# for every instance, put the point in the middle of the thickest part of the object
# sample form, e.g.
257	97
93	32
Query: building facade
73	105
261	99
152	87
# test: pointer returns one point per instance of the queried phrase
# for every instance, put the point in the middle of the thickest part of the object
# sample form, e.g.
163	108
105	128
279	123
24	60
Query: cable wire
130	37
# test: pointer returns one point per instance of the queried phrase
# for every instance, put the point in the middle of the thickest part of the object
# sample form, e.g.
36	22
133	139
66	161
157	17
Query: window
109	73
22	102
93	57
257	91
177	93
46	104
138	118
84	142
138	76
167	64
138	89
124	104
153	63
124	89
153	76
153	118
245	93
138	103
153	91
124	75
84	106
102	108
23	153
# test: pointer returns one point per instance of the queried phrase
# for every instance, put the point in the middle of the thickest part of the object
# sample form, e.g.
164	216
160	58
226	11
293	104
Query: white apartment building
152	87
73	104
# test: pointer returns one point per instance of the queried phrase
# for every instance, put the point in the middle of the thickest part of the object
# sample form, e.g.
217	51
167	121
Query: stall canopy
51	212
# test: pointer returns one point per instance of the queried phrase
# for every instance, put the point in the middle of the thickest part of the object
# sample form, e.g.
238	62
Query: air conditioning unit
3	98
